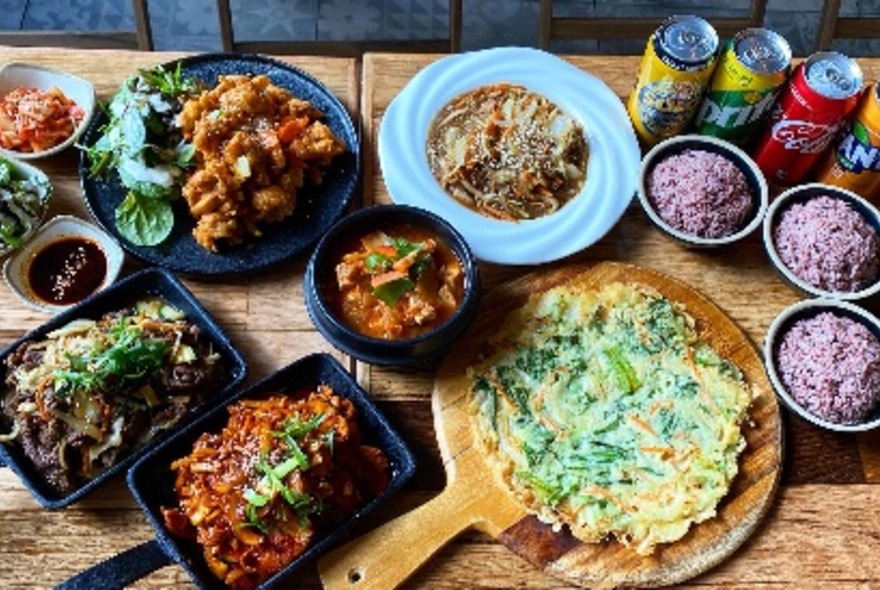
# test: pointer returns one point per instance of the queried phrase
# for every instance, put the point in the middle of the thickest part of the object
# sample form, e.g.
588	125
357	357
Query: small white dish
16	270
22	75
779	327
682	143
612	169
24	171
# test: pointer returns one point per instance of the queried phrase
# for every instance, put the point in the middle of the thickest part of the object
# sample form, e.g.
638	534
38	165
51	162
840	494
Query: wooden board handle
386	556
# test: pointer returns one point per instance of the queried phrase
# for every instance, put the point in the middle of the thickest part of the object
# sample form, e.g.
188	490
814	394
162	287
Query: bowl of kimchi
42	111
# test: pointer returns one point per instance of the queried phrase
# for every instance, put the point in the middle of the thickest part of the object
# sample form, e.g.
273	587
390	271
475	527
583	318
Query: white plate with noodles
612	161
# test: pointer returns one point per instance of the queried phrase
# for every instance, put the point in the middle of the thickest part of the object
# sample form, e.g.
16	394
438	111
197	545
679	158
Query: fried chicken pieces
256	146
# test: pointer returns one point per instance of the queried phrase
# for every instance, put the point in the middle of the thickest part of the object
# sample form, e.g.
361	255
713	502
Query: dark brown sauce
67	270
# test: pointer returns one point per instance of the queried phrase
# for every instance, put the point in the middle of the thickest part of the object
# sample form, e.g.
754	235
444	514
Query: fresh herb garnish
272	477
142	144
127	363
272	484
395	265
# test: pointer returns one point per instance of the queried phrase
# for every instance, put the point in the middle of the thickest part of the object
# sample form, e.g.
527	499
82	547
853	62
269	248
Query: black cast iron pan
152	481
122	294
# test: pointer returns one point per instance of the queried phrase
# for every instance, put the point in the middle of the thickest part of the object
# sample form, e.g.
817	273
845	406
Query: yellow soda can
675	69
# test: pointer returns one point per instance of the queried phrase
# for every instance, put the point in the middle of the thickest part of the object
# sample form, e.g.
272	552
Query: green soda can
750	74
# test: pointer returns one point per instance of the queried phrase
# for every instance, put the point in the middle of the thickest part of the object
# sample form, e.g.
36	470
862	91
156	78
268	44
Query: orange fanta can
854	162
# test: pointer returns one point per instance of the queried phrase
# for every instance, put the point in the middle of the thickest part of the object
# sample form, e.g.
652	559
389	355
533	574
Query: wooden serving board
473	498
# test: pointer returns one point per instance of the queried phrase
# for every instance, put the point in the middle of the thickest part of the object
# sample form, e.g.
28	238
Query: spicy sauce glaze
67	270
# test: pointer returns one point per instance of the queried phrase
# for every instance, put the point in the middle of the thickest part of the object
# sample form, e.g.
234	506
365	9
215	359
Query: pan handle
120	570
385	557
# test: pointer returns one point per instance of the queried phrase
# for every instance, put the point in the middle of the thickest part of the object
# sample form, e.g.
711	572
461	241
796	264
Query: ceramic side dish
838	377
26	268
612	167
830	250
754	179
23	75
26	185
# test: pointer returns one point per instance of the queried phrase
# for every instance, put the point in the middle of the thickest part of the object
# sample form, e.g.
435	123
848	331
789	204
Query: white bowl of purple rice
823	359
702	191
825	241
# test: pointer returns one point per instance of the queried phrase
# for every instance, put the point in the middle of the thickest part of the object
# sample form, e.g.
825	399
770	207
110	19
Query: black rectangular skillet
122	294
152	481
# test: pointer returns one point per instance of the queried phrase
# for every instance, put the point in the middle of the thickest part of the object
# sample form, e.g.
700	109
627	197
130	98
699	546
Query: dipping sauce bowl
66	261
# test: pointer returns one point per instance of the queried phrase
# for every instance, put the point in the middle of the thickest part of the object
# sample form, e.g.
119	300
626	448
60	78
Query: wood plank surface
822	531
474	499
819	467
264	315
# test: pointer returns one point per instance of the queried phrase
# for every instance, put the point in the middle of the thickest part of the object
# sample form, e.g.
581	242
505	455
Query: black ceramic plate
119	295
317	207
152	481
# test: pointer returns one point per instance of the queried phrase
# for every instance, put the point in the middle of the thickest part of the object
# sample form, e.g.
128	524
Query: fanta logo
855	153
805	137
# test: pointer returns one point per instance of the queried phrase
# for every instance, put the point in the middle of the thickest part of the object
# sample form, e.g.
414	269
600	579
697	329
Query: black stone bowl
151	480
124	293
320	284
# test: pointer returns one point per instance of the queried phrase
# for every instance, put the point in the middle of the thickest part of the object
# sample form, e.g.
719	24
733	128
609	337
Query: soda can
854	163
675	69
750	73
817	102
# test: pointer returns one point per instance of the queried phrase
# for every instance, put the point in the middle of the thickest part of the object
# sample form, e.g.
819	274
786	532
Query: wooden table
823	530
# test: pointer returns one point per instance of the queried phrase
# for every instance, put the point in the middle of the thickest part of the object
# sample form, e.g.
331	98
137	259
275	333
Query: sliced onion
62	460
12	435
80	426
75	327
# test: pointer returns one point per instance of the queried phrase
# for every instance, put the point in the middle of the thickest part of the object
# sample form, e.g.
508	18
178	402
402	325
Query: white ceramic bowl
681	143
801	194
16	268
778	328
21	171
21	75
612	169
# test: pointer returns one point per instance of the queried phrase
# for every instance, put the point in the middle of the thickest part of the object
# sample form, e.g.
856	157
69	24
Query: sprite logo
733	109
856	153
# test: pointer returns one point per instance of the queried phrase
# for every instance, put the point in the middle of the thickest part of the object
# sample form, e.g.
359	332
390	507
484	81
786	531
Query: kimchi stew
398	283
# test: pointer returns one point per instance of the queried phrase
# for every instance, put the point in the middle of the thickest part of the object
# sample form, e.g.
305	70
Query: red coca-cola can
820	96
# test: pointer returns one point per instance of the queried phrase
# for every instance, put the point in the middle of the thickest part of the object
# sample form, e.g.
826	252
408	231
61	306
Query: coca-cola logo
805	137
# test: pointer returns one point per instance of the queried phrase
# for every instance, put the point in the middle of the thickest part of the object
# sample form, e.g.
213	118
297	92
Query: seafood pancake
603	410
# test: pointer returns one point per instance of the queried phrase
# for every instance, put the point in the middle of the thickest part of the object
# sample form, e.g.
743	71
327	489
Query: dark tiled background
192	24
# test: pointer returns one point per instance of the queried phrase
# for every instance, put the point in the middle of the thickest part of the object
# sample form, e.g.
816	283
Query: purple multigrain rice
830	365
701	193
828	244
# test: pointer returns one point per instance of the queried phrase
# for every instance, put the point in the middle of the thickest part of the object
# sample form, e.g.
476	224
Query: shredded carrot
387	277
607	495
641	423
690	361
